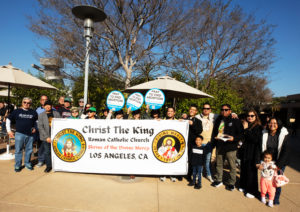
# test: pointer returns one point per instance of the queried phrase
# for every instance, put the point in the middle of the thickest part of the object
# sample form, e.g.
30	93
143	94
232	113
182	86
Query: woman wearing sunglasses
250	154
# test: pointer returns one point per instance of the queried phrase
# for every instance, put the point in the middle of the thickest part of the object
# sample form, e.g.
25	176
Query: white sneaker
210	179
270	203
250	196
241	190
263	200
163	179
39	164
173	179
217	184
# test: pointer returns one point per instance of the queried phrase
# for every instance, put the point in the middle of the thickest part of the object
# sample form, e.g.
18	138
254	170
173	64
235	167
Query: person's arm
109	115
284	153
8	129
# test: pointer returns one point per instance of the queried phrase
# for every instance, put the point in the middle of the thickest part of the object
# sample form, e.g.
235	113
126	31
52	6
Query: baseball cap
92	109
67	99
48	102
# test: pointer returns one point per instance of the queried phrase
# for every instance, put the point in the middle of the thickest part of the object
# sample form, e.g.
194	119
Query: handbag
280	179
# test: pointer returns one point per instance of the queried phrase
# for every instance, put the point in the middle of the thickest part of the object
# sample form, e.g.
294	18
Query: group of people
225	132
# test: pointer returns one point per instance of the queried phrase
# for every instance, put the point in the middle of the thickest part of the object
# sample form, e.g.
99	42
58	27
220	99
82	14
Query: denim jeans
207	157
278	189
21	141
47	153
197	171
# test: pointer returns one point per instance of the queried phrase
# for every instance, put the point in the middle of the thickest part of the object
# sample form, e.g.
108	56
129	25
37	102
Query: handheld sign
155	98
115	101
135	101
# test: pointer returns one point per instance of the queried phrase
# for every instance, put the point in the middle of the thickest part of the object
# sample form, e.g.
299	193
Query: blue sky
21	47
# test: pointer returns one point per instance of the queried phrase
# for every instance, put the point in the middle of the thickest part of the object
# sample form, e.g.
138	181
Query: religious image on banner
69	145
168	146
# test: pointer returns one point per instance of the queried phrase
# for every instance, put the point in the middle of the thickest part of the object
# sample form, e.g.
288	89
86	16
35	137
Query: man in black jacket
226	134
195	130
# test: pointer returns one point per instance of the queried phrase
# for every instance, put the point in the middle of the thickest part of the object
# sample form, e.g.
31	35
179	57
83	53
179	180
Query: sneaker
17	169
263	200
39	164
270	203
48	169
29	167
216	184
250	196
162	179
241	190
210	179
173	179
191	184
197	186
229	187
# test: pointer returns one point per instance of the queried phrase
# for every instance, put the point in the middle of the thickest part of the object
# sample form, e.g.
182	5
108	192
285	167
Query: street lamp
90	15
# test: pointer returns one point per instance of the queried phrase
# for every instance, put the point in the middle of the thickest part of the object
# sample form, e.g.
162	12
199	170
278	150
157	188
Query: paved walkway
57	191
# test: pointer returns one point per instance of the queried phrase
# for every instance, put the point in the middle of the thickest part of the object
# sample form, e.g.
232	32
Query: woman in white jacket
275	138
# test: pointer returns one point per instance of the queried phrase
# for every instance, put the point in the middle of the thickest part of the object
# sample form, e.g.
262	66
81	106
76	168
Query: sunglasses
251	116
81	101
27	103
206	108
225	110
90	111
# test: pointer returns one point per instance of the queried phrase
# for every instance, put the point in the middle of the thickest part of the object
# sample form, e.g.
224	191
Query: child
268	170
197	161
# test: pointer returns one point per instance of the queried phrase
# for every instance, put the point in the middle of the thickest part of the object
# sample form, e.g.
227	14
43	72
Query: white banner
120	146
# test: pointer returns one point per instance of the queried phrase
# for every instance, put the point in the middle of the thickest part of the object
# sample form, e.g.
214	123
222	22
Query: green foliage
35	93
222	94
99	87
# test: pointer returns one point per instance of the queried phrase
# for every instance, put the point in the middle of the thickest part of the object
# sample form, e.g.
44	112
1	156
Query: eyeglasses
225	110
81	101
27	103
74	111
251	116
206	108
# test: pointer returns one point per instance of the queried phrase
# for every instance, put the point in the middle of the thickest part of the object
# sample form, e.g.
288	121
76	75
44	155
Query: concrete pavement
36	191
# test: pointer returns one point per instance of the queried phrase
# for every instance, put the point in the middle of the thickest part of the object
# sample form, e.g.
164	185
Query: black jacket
233	127
197	155
194	130
251	144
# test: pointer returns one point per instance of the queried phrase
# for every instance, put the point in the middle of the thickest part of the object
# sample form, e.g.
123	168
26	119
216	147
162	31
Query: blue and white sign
115	100
135	101
155	98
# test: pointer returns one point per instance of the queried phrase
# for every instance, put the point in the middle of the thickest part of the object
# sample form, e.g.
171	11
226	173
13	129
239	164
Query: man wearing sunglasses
25	119
227	132
207	118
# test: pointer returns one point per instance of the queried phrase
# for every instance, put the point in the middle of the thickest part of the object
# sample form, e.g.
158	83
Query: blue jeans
47	153
278	189
207	156
22	140
197	171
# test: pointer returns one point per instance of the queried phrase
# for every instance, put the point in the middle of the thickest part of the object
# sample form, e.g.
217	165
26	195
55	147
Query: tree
221	42
133	31
35	93
253	90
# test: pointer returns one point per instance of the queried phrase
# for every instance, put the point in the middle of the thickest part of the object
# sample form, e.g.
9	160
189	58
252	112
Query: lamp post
90	15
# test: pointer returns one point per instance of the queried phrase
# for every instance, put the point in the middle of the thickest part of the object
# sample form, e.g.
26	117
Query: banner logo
69	145
168	146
